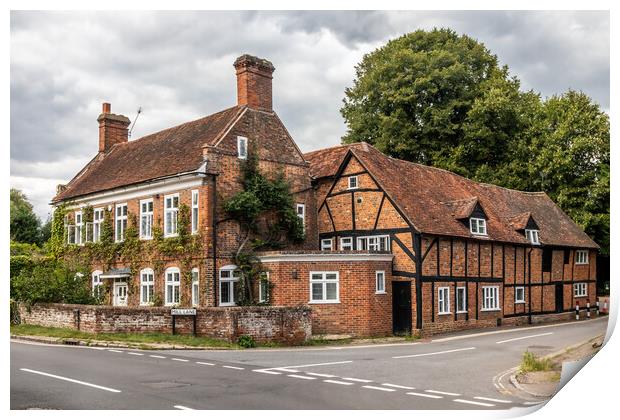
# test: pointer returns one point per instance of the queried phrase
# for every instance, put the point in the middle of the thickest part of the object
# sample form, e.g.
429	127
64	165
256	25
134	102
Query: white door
120	294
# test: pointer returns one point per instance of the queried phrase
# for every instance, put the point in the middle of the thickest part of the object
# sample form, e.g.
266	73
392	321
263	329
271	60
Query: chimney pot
113	129
106	108
254	87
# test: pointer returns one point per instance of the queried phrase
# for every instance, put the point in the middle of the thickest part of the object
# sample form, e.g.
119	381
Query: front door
401	307
559	297
120	294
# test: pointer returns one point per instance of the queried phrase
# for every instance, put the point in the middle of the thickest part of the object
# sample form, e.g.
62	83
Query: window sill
323	302
146	304
461	312
172	235
490	310
146	238
519	301
444	313
380	293
227	304
581	296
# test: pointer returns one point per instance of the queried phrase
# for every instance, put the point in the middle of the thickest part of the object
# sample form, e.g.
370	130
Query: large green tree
24	225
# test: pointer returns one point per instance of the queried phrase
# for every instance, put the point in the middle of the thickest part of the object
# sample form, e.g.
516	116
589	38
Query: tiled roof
167	152
427	196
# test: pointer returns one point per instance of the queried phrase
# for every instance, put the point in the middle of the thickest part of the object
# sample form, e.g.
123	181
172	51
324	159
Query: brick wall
288	325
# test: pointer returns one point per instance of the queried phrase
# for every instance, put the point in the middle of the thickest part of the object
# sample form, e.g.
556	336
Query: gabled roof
520	221
168	152
430	198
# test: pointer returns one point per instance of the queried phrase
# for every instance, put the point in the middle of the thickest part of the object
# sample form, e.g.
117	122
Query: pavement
461	371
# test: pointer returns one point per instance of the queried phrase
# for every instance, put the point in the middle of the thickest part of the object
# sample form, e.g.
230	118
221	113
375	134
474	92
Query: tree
24	223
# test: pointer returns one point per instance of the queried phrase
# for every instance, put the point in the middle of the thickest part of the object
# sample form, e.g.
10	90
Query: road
449	372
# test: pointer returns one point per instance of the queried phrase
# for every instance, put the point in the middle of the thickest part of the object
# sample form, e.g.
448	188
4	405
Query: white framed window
97	221
78	227
490	298
229	276
70	234
478	226
97	284
194	211
461	299
173	286
120	222
443	296
242	147
327	244
373	243
519	294
171	214
532	236
263	287
353	184
301	213
147	285
380	281
581	256
346	244
324	287
146	219
195	287
580	289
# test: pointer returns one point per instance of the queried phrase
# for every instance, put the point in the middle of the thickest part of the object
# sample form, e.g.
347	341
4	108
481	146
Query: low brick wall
287	325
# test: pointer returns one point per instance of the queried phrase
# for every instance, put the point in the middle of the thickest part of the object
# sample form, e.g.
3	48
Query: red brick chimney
113	128
254	77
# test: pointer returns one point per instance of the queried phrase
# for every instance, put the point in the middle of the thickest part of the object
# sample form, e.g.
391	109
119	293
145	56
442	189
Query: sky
177	66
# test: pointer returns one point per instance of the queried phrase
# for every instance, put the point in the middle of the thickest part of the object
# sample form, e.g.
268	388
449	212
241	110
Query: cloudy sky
178	67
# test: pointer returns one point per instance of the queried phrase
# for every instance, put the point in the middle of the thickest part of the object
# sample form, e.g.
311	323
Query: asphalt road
450	372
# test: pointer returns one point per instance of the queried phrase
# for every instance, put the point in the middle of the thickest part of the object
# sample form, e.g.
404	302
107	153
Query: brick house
391	246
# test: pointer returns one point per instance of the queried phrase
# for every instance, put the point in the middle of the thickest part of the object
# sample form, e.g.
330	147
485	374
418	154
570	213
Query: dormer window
353	182
478	226
242	147
532	236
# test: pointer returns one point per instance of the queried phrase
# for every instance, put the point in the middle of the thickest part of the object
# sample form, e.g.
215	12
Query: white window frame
119	234
353	180
346	247
173	282
490	294
302	214
581	257
78	227
97	283
327	244
324	281
580	289
443	301
146	233
481	226
147	280
522	289
195	287
97	221
194	212
169	232
532	236
364	243
230	281
380	282
242	140
263	287
461	304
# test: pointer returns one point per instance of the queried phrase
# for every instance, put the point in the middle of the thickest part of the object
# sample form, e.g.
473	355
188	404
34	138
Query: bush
246	342
531	363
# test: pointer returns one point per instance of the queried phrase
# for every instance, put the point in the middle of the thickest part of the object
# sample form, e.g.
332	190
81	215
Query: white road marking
115	351
331	381
182	407
399	386
434	353
452	394
286	370
135	354
157	357
493	400
314	364
205	363
417	394
301	377
378	388
233	367
474	403
322	375
522	338
269	372
358	380
75	381
533	402
179	360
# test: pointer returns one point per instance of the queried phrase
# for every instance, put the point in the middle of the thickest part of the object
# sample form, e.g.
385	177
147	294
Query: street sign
183	311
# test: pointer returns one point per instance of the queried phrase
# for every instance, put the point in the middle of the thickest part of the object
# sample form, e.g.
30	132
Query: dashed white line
233	367
522	338
75	381
314	364
493	400
399	386
366	381
417	394
434	353
331	381
267	371
378	388
322	375
115	351
179	360
182	407
432	391
205	363
474	403
155	356
135	354
301	377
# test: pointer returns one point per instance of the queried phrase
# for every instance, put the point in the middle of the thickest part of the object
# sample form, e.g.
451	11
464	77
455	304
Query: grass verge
531	363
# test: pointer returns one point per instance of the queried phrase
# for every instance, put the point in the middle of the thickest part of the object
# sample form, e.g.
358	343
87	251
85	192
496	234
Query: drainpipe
529	275
214	239
417	245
